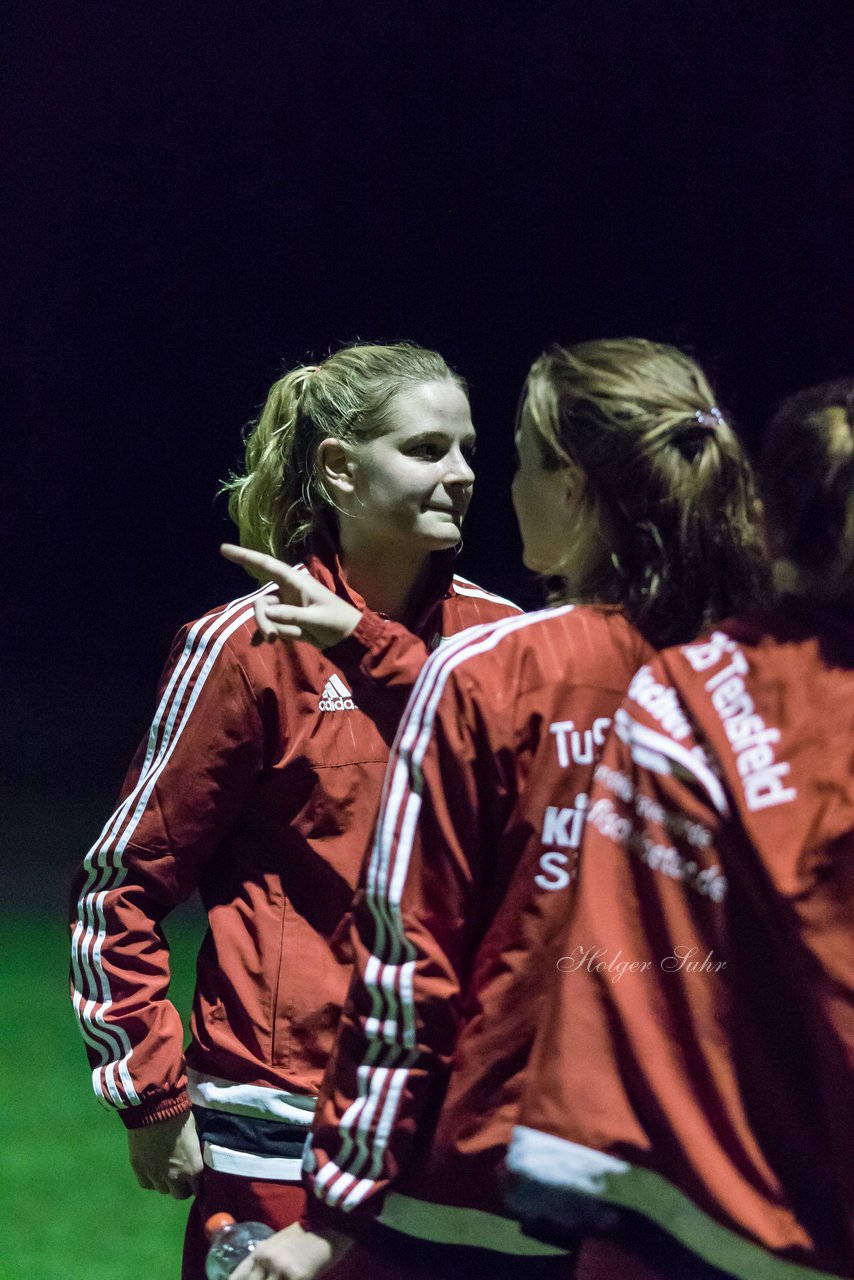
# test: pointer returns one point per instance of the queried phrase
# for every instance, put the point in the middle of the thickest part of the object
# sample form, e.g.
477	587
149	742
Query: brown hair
671	530
807	474
280	499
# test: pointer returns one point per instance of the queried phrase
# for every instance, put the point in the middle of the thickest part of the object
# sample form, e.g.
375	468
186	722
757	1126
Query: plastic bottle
231	1242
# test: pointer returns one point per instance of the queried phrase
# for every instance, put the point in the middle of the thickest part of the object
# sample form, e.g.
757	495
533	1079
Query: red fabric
718	861
610	1260
258	785
653	1256
473	863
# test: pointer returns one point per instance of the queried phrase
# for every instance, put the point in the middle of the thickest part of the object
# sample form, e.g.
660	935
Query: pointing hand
301	608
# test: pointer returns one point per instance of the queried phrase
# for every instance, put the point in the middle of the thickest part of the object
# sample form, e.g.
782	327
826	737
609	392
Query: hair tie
709	419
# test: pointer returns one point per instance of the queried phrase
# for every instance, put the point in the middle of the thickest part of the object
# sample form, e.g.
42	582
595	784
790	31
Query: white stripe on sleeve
104	862
389	973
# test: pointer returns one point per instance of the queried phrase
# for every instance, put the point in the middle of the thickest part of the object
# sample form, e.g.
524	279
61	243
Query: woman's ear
335	466
572	482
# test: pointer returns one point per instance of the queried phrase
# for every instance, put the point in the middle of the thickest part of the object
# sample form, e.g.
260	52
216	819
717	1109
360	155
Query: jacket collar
323	561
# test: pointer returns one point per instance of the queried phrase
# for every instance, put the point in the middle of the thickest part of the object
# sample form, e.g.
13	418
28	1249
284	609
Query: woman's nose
461	471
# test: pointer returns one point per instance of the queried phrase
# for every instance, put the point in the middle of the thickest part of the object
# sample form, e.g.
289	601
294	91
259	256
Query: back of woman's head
281	499
807	473
668	521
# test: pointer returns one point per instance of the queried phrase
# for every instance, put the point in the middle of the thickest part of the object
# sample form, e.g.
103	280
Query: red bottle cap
216	1222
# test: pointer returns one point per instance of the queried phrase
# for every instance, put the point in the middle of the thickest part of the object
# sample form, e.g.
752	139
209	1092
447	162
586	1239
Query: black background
200	196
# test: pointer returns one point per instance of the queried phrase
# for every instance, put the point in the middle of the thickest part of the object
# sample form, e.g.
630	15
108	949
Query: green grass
70	1206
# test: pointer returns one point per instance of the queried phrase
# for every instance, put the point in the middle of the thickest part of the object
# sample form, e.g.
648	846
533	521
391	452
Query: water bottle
231	1242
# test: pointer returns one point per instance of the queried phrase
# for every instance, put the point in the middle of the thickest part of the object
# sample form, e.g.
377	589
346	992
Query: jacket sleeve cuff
382	652
176	1104
370	631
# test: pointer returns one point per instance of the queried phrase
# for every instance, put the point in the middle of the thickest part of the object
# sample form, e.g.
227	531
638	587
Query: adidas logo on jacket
336	696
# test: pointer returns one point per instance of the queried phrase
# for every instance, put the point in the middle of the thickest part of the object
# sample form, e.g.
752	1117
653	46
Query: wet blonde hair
669	519
807	475
280	500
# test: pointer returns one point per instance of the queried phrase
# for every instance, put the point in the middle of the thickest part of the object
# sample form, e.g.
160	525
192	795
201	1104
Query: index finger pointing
260	563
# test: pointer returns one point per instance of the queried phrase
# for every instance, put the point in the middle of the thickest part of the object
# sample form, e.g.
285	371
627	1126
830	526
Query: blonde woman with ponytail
634	496
259	782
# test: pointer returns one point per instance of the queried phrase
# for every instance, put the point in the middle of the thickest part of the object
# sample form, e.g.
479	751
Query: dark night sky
199	196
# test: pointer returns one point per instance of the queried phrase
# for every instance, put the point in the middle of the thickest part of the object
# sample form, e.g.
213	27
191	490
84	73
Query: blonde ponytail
271	502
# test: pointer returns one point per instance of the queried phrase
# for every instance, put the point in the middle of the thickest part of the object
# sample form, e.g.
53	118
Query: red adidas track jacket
696	1060
258	784
483	806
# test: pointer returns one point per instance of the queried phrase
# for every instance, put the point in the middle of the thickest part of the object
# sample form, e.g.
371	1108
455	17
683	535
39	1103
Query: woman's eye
431	451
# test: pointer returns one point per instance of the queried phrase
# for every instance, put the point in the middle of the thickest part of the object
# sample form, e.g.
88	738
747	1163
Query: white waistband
247	1165
250	1099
